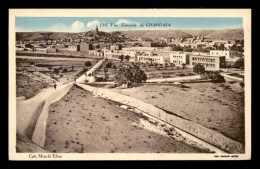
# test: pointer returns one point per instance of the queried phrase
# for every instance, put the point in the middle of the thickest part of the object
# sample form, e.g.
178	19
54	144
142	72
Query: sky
81	24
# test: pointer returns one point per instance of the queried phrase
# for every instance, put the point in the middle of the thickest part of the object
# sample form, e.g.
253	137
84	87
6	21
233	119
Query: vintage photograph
129	86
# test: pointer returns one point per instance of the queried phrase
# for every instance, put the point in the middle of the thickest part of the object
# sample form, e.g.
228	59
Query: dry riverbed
82	123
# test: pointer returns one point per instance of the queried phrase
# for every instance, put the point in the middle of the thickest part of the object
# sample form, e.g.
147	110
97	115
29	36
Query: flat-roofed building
208	61
73	48
229	54
139	49
154	59
115	47
149	44
19	49
96	53
41	50
51	50
178	58
112	54
84	47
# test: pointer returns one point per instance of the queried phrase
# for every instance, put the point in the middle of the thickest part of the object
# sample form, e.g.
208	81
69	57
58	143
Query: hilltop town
95	43
130	91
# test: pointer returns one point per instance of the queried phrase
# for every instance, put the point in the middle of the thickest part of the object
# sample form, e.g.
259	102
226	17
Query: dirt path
173	79
83	123
52	58
28	111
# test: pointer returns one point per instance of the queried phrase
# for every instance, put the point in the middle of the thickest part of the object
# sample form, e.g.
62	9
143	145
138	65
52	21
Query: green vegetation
213	75
130	74
109	65
121	57
239	63
88	63
127	58
56	71
199	68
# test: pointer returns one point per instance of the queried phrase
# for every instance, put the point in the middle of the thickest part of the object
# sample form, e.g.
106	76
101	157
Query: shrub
239	63
56	71
242	84
213	75
121	57
199	68
88	63
127	58
64	70
183	66
109	65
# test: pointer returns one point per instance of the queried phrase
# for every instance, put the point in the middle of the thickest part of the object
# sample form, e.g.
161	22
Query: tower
96	28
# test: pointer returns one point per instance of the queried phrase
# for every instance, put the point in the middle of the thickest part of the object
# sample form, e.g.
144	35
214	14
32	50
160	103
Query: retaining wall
38	136
83	77
208	135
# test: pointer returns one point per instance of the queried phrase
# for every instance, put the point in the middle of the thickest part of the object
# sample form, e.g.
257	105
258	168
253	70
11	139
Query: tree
109	65
88	63
129	75
106	76
121	57
199	68
173	65
64	70
239	63
127	57
166	64
56	71
183	65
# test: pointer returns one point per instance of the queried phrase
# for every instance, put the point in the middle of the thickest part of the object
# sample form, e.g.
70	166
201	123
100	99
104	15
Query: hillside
227	34
40	35
156	33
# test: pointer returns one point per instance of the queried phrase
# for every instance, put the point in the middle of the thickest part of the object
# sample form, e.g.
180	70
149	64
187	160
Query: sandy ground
27	87
214	106
82	123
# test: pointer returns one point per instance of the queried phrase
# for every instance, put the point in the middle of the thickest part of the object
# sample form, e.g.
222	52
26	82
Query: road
28	111
83	77
52	58
174	79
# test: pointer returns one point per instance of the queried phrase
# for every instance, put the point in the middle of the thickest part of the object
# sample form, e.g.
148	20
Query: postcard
129	84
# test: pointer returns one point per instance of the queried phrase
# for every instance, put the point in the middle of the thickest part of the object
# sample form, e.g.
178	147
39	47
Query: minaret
96	28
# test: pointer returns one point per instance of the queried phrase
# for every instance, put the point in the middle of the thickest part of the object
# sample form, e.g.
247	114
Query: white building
209	62
229	54
178	58
154	59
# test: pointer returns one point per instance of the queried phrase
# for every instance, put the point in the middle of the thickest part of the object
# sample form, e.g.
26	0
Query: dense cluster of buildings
139	50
